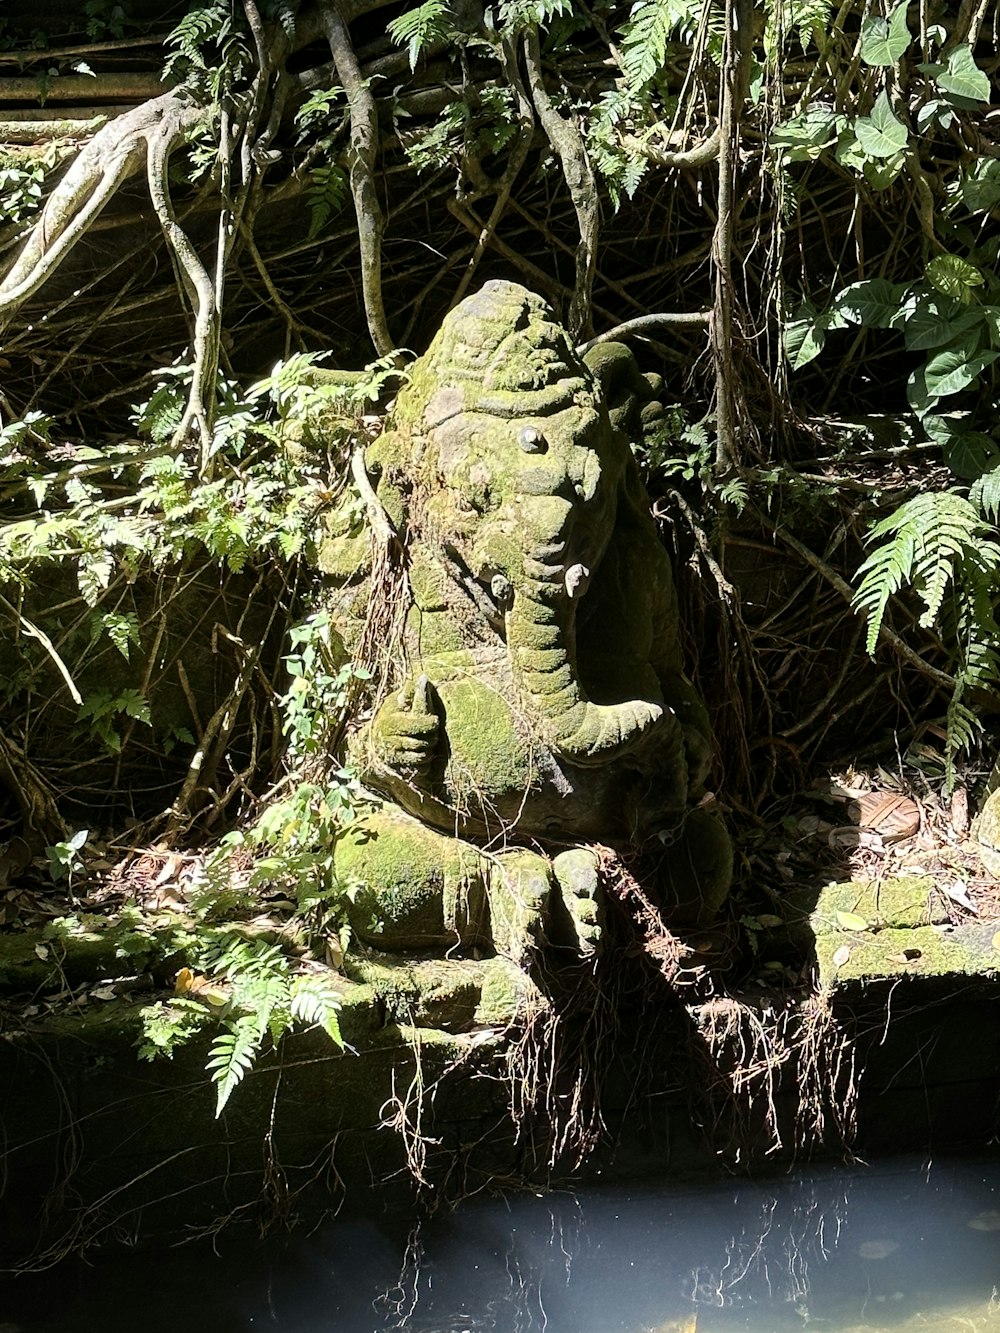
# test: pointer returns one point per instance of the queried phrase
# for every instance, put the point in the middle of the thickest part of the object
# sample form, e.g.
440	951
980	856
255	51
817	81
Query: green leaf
883	41
231	1056
980	187
874	302
932	321
935	112
314	1000
971	454
851	921
954	276
962	76
955	369
881	172
881	134
849	152
805	136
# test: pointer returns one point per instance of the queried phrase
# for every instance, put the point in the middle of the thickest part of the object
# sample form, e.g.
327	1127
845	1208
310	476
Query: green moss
414	888
439	993
489	758
343	551
508	994
916	951
908	900
70	951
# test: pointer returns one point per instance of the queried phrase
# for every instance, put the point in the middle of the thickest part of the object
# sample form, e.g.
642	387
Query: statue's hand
405	730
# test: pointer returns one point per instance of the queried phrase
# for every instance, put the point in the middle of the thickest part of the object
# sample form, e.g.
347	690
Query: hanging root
771	1069
658	943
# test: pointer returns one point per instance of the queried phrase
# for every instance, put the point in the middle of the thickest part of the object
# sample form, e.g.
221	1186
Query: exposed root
656	941
772	1069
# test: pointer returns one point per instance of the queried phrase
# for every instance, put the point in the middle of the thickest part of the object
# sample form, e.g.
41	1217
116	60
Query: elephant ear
626	391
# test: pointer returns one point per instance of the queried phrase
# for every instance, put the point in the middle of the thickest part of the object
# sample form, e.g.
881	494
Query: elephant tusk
577	578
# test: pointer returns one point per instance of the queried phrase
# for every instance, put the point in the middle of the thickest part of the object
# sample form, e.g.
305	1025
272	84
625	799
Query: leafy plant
64	857
941	546
257	996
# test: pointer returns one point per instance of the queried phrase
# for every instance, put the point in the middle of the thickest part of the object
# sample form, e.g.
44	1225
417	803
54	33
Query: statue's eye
531	440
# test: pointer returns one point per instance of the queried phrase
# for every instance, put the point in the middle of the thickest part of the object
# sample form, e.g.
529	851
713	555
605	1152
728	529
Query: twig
41	637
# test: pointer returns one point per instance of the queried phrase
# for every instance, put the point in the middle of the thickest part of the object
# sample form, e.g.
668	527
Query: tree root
115	153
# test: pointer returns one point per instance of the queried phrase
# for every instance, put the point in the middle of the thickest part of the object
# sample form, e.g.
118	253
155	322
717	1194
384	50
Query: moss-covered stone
927	952
508	994
543	696
905	900
429	992
411	887
70	951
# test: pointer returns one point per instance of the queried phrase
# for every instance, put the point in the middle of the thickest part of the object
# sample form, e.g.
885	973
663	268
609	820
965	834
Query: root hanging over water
773	1073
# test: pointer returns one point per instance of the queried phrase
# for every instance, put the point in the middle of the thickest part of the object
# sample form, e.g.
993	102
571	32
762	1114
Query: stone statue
539	701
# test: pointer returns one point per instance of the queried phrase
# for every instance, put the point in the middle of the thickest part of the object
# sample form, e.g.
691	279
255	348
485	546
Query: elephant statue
538	702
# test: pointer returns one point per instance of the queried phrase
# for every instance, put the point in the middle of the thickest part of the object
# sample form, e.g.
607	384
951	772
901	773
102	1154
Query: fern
939	545
932	537
420	27
213	70
647	35
232	1055
515	15
984	494
326	194
315	1001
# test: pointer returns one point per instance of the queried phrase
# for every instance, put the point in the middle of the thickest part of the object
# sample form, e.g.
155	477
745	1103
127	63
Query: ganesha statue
538	704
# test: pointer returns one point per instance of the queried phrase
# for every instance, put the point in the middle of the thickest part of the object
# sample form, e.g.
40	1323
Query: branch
361	157
685	159
643	322
114	154
197	283
567	143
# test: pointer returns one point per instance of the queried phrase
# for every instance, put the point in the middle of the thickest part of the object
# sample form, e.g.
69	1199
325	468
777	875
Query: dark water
901	1246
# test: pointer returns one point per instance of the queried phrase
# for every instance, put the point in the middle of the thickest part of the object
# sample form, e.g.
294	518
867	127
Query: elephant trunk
541	635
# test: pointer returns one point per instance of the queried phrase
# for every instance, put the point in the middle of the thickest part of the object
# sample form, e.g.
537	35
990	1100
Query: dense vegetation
787	208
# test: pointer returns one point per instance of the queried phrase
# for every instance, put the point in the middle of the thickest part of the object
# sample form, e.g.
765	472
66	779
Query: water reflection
901	1246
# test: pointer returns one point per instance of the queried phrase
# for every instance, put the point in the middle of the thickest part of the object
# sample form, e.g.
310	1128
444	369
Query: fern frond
882	574
419	27
316	1001
930	537
984	494
645	39
232	1054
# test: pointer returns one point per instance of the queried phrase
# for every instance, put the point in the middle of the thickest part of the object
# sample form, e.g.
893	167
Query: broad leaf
955	369
849	152
954	276
881	134
935	112
962	76
874	302
933	321
971	454
980	188
804	137
803	340
883	41
880	172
